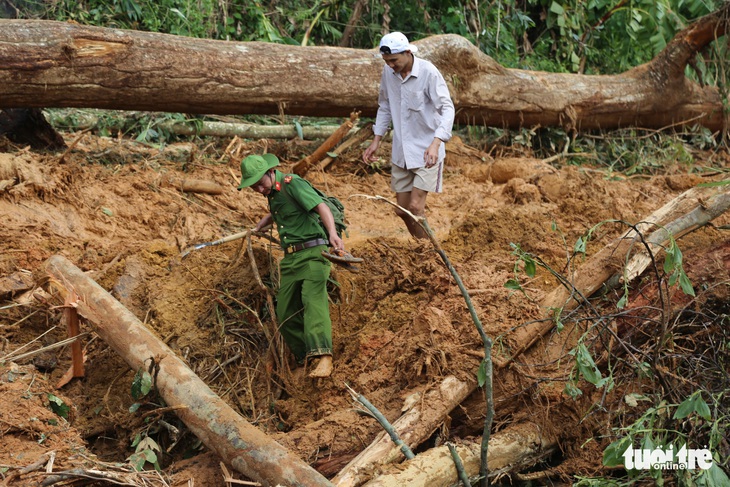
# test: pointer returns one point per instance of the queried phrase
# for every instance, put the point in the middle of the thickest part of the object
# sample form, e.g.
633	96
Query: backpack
335	205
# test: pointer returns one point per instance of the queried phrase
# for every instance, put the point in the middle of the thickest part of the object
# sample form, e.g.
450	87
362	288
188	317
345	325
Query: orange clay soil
115	209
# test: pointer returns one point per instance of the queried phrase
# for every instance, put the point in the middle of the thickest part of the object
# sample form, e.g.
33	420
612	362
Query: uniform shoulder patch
287	179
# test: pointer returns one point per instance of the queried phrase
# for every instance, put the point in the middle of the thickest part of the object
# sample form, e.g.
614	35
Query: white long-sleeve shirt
420	109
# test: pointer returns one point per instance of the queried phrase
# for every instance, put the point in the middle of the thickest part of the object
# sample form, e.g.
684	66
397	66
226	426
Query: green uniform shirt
294	226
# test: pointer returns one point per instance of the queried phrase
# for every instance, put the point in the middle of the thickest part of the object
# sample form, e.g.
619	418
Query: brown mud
400	324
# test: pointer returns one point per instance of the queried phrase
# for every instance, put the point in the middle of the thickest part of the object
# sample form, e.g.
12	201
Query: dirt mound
400	325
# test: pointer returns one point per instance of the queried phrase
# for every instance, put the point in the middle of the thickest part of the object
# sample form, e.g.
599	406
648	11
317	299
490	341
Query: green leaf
702	409
613	455
557	9
686	408
142	384
148	444
530	267
686	284
669	261
149	455
513	284
107	211
298	127
713	477
58	406
482	373
586	366
333	155
572	390
714	184
137	460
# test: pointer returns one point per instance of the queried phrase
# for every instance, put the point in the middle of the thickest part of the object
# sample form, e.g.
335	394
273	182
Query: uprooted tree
54	64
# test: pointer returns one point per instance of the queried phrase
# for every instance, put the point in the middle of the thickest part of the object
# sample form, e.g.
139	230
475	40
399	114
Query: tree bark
517	446
303	166
240	444
413	427
54	64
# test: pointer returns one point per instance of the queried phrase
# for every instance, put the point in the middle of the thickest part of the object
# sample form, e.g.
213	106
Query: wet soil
117	210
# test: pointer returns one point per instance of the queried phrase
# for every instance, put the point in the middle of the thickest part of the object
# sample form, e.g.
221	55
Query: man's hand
336	242
431	156
369	154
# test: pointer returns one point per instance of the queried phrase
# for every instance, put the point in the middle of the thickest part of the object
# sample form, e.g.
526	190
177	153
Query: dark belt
305	245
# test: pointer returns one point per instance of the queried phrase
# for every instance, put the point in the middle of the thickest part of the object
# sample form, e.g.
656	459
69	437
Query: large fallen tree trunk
219	427
55	64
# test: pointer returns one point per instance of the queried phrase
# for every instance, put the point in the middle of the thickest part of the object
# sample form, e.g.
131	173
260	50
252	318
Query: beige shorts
427	179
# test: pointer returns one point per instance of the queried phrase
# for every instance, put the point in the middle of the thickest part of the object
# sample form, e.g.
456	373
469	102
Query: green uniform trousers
303	304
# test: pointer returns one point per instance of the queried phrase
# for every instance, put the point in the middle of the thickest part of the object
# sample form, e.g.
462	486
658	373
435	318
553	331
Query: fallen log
301	167
62	64
73	120
514	448
250	131
247	449
413	427
187	185
363	134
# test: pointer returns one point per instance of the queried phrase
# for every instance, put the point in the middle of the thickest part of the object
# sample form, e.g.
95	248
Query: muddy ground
116	209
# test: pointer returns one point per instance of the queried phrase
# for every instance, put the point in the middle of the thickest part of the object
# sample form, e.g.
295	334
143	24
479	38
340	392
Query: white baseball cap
395	43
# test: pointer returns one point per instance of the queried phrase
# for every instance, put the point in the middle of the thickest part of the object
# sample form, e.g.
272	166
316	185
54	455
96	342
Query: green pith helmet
254	167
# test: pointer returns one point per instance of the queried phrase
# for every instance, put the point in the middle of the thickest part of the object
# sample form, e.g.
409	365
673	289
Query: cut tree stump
62	64
212	420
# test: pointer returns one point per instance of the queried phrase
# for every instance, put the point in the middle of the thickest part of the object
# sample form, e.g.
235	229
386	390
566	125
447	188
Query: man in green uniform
302	306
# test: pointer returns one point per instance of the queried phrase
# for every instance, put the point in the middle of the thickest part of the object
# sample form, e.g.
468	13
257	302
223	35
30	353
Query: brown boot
323	369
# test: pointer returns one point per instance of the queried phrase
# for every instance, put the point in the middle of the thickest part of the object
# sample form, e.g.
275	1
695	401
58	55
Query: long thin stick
487	365
383	422
229	238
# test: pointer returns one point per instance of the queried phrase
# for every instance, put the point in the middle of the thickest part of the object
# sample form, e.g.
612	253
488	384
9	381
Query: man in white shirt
414	97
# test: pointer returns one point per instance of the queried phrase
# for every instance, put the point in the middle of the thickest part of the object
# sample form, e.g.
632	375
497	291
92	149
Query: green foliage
141	384
58	406
658	427
673	268
633	152
145	448
193	18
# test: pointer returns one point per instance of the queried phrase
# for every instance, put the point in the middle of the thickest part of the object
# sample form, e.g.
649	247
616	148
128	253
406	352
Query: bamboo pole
247	449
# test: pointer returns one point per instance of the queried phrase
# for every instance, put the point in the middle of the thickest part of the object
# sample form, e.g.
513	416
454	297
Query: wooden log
188	185
363	134
247	449
516	447
62	64
251	131
413	427
302	166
